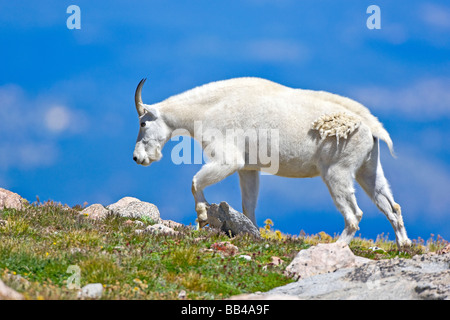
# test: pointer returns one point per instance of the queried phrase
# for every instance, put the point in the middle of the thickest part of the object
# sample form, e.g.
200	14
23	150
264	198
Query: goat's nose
135	158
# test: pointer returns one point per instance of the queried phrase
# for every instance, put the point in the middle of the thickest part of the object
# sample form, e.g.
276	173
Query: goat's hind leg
371	178
339	181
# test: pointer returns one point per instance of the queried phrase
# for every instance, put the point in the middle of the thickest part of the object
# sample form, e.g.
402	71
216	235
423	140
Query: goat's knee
359	214
194	187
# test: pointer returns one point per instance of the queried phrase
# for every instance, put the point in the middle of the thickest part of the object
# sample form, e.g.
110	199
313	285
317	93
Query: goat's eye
143	124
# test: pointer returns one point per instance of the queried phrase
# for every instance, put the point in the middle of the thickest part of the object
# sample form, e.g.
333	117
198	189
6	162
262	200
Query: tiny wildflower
268	223
278	234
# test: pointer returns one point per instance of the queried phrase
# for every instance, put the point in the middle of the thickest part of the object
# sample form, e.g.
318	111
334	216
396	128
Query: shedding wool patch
336	124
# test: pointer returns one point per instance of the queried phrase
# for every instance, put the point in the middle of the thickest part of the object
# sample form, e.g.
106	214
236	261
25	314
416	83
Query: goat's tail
379	132
367	117
377	129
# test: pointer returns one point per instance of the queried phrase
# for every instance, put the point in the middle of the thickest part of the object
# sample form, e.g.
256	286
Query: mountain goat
317	134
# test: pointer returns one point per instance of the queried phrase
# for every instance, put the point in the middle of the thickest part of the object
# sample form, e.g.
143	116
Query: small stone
230	221
444	250
171	224
245	257
6	293
377	249
139	223
95	211
225	247
139	210
277	261
76	250
91	291
160	229
182	295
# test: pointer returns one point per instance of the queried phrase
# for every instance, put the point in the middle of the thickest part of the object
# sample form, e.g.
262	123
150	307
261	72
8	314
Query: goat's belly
297	157
297	169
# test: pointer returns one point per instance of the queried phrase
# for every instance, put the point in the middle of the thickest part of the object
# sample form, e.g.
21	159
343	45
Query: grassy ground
41	244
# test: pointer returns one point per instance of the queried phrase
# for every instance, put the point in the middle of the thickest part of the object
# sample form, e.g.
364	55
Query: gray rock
136	209
125	201
91	291
11	200
322	258
171	224
263	296
6	293
182	295
422	277
245	257
138	223
95	211
160	229
225	218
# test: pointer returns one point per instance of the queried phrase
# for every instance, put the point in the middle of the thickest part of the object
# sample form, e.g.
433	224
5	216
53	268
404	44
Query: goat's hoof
405	245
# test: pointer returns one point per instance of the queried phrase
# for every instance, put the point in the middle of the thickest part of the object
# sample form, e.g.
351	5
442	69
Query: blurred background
68	124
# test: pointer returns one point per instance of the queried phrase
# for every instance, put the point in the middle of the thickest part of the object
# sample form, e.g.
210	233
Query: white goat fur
310	124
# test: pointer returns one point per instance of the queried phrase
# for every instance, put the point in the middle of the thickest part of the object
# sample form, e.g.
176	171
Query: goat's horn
137	98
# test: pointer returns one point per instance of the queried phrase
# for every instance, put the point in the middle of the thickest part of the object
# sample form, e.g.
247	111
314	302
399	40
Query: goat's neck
181	114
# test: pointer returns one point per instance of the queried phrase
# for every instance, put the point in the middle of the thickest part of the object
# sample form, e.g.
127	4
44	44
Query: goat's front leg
209	174
249	182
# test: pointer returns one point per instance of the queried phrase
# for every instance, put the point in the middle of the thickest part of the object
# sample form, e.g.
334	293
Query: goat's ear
152	110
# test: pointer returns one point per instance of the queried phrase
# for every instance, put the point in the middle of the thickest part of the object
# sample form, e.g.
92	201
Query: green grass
39	243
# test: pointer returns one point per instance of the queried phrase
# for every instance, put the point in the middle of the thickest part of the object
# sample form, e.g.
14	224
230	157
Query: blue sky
68	123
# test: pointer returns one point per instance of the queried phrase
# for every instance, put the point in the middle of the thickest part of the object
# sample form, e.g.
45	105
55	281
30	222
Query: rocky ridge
422	277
